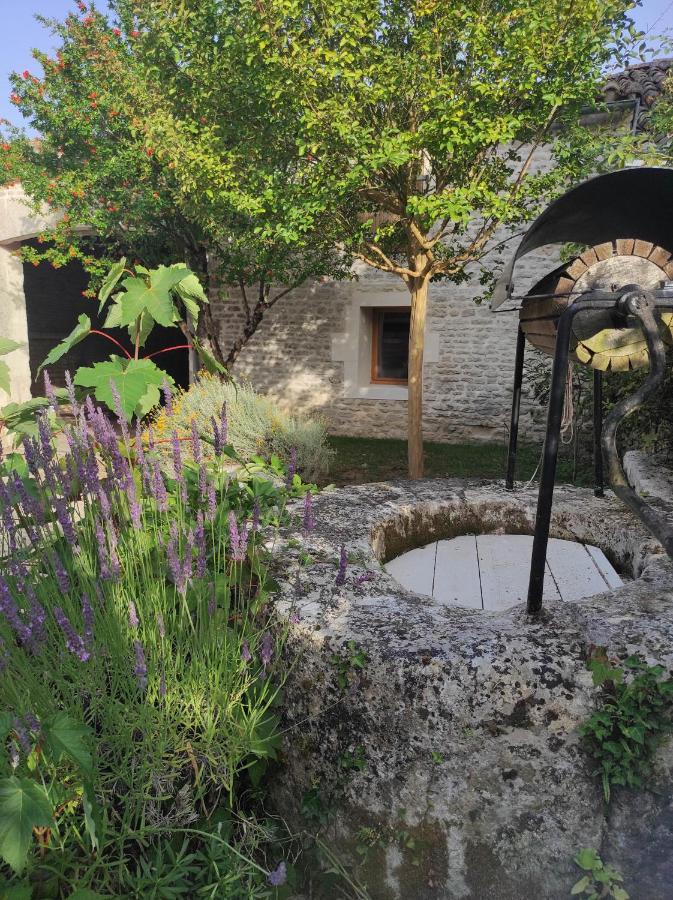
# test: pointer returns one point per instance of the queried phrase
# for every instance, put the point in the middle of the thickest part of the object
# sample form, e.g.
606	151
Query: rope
568	418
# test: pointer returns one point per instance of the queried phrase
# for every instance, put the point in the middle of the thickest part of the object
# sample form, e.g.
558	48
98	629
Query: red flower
88	21
117	32
135	33
15	98
149	151
25	74
5	147
81	6
93	95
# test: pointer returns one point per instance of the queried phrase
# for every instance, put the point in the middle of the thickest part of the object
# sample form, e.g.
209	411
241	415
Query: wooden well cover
595	341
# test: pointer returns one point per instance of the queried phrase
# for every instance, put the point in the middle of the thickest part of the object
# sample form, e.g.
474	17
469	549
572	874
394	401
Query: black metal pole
599	482
516	405
548	474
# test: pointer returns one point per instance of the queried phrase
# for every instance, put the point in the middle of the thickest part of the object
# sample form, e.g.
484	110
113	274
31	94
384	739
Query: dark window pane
392	339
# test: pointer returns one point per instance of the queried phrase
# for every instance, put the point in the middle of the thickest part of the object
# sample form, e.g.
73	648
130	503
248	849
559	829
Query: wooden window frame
377	319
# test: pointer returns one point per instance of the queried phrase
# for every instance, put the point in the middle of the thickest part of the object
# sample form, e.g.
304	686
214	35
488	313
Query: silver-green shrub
256	425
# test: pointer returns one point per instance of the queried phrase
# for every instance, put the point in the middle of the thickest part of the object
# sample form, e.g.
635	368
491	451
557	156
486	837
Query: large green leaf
92	816
64	736
210	364
190	291
4	376
7	346
137	381
154	298
79	332
110	281
24	805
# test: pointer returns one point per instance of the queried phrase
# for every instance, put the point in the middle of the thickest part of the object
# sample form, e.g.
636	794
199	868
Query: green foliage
257	427
6	346
79	332
600	881
136	701
633	720
354	661
137	382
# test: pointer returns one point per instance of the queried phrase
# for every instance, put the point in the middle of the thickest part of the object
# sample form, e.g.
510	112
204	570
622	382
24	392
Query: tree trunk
418	288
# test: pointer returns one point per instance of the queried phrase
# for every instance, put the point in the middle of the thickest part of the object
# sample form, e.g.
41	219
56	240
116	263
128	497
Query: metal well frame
629	303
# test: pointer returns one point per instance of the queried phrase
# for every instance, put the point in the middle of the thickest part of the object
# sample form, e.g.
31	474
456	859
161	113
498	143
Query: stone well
452	758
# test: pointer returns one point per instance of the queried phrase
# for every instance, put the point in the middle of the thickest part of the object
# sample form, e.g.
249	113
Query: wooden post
418	288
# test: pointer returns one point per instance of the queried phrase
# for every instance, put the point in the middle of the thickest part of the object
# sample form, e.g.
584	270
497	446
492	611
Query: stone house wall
303	351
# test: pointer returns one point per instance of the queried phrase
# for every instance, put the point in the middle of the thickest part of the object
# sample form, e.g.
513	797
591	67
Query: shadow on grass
361	460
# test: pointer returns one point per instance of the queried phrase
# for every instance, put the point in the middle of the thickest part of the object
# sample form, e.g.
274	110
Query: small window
390	345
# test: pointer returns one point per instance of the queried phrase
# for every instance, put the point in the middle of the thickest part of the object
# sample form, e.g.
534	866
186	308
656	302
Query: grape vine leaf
24	805
79	332
110	282
154	298
137	381
64	736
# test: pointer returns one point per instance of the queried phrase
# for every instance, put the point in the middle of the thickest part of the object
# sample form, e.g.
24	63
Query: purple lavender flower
203	482
294	618
44	432
132	497
180	570
161	628
33	723
238	539
160	494
266	648
65	521
246	655
9	610
70	387
61	574
177	457
200	542
73	641
308	523
140	669
212	503
119	410
343	564
217	437
49	391
103	557
32	455
22	736
38	618
366	576
278	876
292	468
168	397
133	616
87	618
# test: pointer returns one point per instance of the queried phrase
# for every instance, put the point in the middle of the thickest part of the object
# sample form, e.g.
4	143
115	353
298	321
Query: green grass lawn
359	460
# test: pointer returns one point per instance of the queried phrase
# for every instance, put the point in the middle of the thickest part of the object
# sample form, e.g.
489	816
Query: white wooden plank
457	573
575	573
604	566
504	566
415	570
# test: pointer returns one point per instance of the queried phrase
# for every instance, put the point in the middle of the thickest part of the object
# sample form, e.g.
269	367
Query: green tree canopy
406	130
120	195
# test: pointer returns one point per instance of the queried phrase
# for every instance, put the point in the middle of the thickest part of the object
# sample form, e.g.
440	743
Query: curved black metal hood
629	203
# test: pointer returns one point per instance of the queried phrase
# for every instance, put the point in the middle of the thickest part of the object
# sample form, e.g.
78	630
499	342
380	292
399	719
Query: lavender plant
134	623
